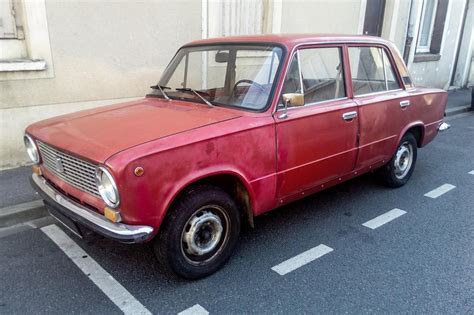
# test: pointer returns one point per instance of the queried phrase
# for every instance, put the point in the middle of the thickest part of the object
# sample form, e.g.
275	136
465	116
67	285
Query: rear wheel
398	171
199	233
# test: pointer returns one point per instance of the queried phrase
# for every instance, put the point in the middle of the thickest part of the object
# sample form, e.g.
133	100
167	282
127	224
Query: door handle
349	116
404	104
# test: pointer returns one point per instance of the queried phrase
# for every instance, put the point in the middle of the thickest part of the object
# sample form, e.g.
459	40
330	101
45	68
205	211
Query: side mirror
292	99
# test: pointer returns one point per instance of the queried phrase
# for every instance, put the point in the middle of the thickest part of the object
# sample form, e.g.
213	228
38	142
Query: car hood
97	134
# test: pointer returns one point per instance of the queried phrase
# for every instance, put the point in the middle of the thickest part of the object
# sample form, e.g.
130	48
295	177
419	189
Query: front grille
74	171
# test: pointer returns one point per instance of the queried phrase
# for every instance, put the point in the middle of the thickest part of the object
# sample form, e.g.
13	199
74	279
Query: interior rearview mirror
293	99
221	57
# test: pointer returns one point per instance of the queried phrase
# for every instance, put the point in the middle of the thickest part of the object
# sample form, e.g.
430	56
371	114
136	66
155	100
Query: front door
316	142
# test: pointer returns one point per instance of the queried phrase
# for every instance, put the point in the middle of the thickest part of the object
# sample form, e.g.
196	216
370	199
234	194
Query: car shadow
277	236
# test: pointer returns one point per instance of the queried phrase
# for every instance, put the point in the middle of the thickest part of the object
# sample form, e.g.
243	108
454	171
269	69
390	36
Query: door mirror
293	99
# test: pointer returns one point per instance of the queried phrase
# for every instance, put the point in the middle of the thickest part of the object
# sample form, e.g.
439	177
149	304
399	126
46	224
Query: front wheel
398	171
199	233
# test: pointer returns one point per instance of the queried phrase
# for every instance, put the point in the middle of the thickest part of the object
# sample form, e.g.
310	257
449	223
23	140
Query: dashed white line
101	278
384	218
471	172
441	190
194	310
302	259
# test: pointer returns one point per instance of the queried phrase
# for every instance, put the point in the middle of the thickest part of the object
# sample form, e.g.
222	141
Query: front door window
317	73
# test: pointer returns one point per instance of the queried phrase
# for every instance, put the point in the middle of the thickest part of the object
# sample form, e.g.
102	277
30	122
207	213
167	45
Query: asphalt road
420	262
15	188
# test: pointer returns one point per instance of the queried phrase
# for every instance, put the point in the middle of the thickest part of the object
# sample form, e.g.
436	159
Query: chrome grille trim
77	172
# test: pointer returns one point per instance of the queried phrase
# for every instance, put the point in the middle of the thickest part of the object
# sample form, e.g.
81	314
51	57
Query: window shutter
438	27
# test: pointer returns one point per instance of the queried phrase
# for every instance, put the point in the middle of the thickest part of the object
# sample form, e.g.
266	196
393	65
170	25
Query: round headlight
31	149
107	187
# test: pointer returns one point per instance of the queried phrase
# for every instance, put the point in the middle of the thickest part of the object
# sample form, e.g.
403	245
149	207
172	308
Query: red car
235	127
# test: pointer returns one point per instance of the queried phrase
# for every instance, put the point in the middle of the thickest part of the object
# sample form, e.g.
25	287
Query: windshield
224	75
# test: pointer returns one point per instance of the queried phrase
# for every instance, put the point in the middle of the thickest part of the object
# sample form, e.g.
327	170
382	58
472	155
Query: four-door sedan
235	127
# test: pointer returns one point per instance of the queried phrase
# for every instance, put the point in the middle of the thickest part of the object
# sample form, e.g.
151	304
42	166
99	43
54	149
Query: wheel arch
417	129
232	183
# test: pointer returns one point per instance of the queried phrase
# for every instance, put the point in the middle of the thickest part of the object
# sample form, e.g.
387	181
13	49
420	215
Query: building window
430	35
242	17
7	20
426	26
25	51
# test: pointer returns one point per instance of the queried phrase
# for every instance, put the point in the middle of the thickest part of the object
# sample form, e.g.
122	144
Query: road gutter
458	110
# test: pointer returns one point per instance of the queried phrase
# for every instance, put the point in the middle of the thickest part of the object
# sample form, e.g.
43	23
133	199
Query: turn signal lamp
112	215
36	169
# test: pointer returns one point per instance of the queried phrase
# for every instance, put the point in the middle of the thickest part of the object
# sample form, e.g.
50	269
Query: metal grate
74	171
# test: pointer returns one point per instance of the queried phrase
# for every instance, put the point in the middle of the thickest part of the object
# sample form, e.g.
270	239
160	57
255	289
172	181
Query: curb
22	212
457	110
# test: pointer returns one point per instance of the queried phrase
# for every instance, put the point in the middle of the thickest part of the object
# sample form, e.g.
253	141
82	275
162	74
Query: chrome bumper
94	221
444	126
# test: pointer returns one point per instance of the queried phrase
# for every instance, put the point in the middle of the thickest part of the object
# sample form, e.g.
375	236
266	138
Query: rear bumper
96	222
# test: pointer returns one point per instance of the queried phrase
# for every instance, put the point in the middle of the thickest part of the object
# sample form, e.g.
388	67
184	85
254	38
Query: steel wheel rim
205	234
403	160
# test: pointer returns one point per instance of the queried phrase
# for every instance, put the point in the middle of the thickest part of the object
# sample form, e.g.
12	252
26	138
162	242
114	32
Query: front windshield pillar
186	63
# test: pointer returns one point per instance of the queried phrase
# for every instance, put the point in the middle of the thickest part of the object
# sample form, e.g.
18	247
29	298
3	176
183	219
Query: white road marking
301	259
101	278
471	172
194	310
435	193
384	218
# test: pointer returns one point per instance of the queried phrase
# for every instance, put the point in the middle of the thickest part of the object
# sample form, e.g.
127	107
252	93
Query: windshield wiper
197	93
161	88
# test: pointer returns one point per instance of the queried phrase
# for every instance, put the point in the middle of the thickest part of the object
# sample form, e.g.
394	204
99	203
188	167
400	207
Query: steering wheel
251	82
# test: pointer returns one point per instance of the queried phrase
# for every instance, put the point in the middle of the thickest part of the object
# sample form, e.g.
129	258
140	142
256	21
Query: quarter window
371	70
317	73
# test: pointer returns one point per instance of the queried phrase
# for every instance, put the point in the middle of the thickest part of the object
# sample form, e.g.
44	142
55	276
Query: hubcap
403	160
204	234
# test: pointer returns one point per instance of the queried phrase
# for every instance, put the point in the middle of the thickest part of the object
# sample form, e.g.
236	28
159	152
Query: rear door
316	142
383	104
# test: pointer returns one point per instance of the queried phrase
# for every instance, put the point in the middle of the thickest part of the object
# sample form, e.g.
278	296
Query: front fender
215	170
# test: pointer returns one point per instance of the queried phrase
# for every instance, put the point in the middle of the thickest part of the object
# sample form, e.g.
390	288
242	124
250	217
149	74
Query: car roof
291	40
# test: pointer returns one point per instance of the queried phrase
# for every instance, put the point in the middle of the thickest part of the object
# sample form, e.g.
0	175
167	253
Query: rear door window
371	71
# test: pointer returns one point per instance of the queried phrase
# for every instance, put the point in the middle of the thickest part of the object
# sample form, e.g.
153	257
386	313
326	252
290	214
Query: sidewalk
458	101
16	192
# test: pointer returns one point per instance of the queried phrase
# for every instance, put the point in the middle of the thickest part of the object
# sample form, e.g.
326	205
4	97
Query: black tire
175	242
390	174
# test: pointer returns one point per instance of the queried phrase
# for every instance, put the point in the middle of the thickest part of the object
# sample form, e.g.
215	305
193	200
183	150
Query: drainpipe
472	98
409	34
458	49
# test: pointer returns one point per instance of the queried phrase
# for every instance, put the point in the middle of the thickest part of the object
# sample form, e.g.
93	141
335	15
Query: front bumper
96	222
